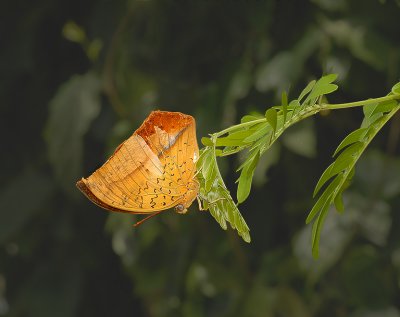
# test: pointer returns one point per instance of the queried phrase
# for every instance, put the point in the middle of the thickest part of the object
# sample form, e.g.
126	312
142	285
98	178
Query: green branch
256	134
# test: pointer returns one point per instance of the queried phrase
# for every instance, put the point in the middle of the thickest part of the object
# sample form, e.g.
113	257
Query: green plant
256	134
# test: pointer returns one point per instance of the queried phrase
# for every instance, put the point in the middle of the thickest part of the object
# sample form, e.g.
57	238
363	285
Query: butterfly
152	171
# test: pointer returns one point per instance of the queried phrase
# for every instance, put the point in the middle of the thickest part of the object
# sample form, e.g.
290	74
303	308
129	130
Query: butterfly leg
147	218
201	208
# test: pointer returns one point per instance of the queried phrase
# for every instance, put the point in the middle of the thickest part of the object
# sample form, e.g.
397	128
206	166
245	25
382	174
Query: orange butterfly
150	172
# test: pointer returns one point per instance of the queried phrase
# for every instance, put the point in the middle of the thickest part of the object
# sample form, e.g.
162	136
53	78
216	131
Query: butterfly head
188	197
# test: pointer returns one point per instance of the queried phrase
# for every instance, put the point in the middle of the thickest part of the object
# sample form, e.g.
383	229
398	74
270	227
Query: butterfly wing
143	174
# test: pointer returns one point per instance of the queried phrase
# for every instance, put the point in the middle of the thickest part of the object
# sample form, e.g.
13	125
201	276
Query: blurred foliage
77	78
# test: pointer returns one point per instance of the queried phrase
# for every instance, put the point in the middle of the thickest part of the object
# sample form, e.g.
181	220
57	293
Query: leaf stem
358	103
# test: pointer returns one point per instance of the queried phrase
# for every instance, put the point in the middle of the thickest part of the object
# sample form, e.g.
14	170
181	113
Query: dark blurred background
78	77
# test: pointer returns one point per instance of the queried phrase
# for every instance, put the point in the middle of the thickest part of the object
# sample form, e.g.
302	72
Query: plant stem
308	112
358	103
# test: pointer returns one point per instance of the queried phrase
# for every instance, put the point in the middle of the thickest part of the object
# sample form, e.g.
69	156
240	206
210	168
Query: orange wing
153	170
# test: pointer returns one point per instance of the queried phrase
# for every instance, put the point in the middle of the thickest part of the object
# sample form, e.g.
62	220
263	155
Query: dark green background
68	100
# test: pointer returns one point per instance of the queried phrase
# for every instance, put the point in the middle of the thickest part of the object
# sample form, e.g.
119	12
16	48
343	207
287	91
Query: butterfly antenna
147	218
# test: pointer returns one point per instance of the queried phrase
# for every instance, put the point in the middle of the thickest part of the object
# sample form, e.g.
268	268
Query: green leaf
327	79
324	198
248	118
347	156
207	162
271	116
355	136
369	109
206	141
306	90
316	230
229	141
246	177
344	161
284	102
323	90
210	176
294	104
326	175
338	201
396	89
262	129
240	135
386	106
323	86
349	153
72	110
215	197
